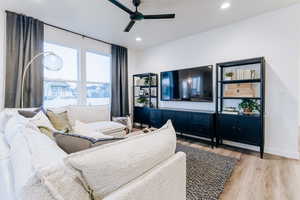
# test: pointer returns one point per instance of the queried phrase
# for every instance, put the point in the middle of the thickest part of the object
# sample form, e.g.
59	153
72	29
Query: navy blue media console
189	123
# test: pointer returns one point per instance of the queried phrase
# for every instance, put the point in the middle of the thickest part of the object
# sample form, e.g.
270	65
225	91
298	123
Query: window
97	79
78	83
61	87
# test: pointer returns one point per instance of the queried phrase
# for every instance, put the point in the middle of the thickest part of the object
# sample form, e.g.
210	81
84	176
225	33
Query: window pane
98	94
97	68
60	93
70	63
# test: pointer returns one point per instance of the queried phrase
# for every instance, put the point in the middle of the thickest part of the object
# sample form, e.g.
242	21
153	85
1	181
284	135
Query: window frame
81	73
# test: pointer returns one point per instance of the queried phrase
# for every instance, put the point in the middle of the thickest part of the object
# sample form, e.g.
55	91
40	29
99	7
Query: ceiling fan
136	15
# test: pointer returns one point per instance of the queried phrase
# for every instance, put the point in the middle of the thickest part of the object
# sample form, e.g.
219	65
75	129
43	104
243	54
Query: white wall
71	40
275	35
131	70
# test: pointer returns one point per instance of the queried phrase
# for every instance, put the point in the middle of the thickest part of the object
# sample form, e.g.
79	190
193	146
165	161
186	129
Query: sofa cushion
88	113
37	151
39	172
4	117
60	121
4	148
15	126
107	127
106	168
8	113
55	182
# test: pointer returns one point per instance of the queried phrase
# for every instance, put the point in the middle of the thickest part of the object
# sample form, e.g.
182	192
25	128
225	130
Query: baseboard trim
279	152
269	150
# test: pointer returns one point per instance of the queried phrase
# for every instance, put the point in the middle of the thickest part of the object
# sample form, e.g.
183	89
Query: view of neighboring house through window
61	87
77	83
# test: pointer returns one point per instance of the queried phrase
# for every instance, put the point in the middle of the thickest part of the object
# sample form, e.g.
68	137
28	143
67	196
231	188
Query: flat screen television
193	84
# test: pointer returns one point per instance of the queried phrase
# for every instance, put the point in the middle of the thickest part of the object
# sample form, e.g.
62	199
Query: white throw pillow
106	168
13	127
41	120
84	129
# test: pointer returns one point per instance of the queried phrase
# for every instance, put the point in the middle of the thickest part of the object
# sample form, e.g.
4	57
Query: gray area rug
207	173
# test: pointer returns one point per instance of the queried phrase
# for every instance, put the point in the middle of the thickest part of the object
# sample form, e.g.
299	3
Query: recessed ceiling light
138	39
225	5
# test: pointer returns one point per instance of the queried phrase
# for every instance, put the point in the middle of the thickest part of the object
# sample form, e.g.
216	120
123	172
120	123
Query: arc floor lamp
51	61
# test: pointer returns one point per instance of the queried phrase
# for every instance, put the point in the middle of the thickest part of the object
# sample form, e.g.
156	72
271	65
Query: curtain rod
57	27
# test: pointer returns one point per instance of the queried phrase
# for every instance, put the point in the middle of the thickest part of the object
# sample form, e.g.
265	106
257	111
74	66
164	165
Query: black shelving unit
139	111
237	126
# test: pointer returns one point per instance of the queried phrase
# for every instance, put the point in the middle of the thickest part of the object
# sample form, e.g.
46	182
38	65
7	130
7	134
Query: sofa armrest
165	181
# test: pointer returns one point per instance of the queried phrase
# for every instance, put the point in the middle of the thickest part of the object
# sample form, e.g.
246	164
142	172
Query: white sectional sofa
142	167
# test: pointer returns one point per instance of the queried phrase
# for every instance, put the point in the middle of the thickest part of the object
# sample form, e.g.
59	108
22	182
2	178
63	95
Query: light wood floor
271	178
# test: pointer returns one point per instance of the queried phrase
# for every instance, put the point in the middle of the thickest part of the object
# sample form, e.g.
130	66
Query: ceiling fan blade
129	26
116	3
165	16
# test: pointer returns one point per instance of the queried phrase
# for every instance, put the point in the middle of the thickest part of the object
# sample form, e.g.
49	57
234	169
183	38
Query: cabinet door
227	127
249	131
169	115
199	124
182	121
141	115
155	118
244	129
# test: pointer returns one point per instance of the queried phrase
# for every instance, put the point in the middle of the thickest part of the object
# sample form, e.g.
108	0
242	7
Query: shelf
146	96
146	86
144	75
240	115
259	60
241	81
258	98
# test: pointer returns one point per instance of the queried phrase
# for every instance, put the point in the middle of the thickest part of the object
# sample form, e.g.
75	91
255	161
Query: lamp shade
52	61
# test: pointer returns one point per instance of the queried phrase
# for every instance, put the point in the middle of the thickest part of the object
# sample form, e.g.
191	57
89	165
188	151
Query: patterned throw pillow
60	121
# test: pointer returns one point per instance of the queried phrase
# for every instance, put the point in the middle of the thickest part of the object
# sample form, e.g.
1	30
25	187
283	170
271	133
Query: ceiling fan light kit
138	16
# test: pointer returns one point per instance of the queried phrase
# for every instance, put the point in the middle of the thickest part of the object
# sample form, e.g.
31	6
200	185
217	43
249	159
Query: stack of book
230	110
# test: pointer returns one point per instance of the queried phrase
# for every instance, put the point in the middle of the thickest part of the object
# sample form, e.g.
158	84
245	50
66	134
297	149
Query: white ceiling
102	20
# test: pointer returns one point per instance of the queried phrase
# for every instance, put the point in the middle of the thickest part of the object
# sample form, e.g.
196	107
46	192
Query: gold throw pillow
60	121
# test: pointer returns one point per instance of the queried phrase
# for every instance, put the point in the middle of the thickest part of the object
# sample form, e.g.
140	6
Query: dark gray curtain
119	82
24	39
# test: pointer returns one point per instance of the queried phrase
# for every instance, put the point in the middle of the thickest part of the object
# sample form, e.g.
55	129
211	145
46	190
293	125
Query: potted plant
142	100
249	105
228	75
148	80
